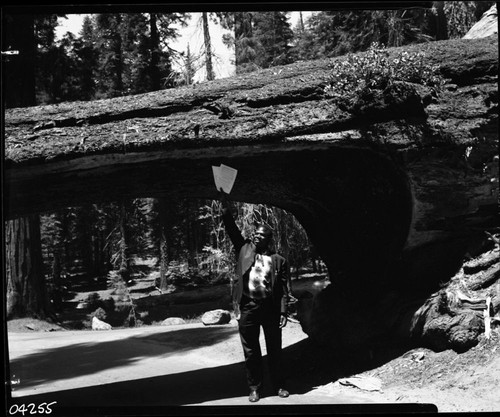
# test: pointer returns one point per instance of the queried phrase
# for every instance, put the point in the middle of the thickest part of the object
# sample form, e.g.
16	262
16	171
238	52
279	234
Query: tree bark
441	25
208	48
117	59
165	244
155	53
26	291
124	244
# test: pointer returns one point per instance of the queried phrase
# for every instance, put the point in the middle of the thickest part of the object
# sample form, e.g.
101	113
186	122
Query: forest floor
453	382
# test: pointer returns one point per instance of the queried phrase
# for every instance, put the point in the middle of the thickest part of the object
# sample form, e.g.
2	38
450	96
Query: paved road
150	368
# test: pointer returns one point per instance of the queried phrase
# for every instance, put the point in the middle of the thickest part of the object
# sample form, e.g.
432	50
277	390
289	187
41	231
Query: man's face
261	237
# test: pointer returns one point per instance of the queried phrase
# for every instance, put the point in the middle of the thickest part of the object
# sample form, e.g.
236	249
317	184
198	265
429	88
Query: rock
173	321
100	325
487	25
366	383
218	316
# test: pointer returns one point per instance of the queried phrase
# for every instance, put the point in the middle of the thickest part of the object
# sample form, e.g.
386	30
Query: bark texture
395	192
26	292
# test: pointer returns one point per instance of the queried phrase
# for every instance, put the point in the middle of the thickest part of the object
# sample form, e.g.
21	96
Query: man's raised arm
231	228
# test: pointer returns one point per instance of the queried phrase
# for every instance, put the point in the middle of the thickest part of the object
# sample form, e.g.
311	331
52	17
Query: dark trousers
255	314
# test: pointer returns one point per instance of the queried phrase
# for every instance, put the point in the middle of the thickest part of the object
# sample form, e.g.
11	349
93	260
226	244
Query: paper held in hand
224	177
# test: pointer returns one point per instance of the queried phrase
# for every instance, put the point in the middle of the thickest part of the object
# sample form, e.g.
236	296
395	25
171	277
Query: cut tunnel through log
396	191
355	203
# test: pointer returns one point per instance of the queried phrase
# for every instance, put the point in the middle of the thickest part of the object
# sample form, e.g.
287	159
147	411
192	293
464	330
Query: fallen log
395	193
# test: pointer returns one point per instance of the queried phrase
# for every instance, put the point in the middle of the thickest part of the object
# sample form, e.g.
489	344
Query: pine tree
87	58
273	36
167	31
333	33
109	32
154	46
244	43
136	52
208	48
189	68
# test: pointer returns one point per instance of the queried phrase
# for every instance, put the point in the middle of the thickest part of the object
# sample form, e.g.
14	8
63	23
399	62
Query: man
260	296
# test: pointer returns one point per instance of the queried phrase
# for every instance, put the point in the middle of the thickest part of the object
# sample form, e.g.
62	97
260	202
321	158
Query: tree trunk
208	48
441	25
155	54
164	208
26	292
124	244
87	238
118	60
19	70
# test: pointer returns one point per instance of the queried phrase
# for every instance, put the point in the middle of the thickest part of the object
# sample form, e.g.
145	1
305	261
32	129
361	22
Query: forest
128	53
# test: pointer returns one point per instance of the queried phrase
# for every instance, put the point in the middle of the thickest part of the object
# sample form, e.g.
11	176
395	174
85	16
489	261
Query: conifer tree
87	57
333	33
109	33
208	48
273	37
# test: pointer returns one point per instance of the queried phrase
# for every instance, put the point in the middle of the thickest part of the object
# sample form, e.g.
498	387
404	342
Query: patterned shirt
259	277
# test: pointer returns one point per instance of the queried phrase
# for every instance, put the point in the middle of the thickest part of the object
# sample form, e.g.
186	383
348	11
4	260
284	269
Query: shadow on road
184	388
169	394
82	359
306	368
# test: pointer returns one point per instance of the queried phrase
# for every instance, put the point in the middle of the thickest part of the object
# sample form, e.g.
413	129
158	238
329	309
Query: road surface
148	369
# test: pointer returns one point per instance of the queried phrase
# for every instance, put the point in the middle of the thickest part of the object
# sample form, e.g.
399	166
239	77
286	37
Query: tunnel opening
172	248
354	203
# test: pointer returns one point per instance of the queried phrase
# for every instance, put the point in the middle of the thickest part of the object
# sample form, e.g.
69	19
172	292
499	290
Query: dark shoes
254	396
283	393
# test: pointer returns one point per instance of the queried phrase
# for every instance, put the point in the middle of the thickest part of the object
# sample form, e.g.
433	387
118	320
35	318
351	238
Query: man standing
260	296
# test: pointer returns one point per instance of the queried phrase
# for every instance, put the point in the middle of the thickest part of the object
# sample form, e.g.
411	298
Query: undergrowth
377	69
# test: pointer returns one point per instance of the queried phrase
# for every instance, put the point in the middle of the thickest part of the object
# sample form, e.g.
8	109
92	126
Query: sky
191	35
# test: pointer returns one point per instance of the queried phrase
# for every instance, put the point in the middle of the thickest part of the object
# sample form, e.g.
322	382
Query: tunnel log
395	198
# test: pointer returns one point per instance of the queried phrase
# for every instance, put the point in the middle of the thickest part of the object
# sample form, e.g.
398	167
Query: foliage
216	264
117	54
334	33
376	69
274	37
99	314
261	39
245	45
462	15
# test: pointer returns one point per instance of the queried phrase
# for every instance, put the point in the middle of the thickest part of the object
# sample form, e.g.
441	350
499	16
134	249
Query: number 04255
43	408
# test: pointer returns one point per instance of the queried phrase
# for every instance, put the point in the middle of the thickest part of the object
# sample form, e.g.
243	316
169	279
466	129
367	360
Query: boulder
218	316
487	25
100	325
173	321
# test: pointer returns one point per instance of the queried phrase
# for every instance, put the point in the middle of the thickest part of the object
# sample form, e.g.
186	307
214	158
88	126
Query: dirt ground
159	365
467	382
